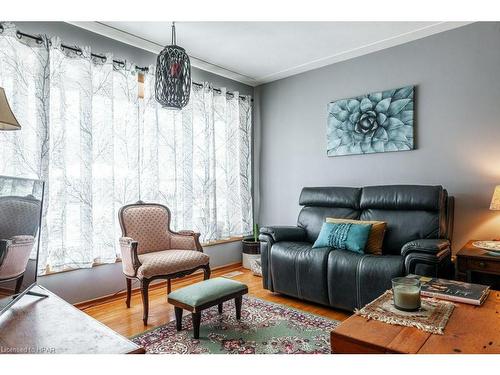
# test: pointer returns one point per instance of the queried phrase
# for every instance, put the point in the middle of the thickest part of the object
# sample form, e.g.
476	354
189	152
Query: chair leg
220	308
178	318
196	324
237	302
169	286
129	291
206	272
145	300
19	283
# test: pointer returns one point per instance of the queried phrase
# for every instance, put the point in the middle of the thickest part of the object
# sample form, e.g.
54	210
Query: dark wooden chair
151	250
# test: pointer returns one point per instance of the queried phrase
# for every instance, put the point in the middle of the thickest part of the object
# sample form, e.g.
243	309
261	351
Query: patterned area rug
264	328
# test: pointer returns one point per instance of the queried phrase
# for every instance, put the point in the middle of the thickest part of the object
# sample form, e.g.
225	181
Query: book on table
452	290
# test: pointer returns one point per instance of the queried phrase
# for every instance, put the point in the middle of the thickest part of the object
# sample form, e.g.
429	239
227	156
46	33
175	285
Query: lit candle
406	293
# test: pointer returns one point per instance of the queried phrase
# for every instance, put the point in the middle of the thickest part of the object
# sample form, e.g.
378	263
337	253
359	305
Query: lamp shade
7	119
495	201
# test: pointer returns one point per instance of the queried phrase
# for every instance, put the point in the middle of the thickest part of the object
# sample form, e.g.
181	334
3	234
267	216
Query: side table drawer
483	266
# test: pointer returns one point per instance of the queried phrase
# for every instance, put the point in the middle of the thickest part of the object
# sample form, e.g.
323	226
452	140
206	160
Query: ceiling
261	52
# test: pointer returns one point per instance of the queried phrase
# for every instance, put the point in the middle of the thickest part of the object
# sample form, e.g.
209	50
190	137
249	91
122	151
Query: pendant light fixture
173	76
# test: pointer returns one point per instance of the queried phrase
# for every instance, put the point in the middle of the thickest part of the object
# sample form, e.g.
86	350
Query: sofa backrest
411	211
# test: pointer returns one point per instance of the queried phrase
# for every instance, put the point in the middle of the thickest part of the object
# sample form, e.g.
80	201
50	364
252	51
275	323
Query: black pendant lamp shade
173	76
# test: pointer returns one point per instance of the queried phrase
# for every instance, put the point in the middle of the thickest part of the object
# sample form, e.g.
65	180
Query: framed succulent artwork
377	122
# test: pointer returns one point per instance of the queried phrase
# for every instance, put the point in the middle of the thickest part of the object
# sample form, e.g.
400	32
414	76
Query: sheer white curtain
98	147
198	161
93	158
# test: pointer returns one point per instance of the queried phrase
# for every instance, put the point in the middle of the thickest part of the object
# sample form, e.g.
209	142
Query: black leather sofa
417	241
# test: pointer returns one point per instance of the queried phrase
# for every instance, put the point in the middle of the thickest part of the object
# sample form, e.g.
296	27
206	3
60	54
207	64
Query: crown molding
436	28
133	40
147	45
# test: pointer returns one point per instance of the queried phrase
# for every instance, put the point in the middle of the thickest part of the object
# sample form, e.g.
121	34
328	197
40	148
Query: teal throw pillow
345	236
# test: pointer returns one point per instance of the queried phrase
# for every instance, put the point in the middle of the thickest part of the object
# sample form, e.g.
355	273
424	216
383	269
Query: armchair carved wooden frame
151	250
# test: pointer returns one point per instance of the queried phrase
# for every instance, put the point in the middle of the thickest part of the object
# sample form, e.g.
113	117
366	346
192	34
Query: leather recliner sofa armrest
427	246
267	237
428	257
283	233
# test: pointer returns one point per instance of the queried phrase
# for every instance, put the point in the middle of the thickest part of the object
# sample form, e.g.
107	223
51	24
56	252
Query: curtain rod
103	58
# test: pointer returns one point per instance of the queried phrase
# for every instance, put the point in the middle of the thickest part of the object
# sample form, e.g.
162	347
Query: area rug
431	317
264	328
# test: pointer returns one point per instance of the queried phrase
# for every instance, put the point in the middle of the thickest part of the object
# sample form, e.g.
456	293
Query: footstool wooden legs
196	324
237	303
196	316
178	318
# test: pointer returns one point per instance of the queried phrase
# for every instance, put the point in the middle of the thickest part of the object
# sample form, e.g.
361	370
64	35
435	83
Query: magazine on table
452	290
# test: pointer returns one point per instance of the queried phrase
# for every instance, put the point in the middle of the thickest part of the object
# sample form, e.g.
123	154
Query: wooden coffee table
471	329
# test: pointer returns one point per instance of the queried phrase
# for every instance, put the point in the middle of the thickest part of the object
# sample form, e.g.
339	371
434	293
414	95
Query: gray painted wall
457	74
86	284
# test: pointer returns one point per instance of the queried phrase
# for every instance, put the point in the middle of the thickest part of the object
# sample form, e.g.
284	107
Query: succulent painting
376	122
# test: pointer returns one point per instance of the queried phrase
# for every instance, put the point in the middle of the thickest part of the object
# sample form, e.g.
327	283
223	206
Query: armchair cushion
168	262
147	224
427	246
284	233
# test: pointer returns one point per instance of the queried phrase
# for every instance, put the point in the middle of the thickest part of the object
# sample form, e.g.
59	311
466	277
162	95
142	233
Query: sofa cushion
402	197
346	197
167	262
341	276
404	226
312	218
356	279
375	274
300	271
347	236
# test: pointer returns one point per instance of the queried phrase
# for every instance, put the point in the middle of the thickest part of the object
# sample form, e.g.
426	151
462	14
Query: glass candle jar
406	293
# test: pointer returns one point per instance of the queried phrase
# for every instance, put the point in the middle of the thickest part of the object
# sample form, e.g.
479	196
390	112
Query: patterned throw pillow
345	236
376	238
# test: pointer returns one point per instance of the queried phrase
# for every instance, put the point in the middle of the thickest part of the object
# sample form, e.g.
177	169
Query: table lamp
7	119
495	200
493	247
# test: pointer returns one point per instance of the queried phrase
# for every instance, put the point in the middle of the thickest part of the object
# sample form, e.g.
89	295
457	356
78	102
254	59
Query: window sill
48	272
220	242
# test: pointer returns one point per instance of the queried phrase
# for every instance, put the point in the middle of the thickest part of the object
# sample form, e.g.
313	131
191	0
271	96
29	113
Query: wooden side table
476	265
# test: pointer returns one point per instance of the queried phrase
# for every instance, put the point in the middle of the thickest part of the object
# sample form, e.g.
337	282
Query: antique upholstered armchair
19	218
151	250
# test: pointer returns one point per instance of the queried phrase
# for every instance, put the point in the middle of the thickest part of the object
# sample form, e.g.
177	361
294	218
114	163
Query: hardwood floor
128	322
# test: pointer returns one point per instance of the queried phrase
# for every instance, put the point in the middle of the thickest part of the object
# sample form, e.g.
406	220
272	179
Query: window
99	146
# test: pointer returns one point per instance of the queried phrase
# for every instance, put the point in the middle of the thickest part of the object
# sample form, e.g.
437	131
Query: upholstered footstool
200	296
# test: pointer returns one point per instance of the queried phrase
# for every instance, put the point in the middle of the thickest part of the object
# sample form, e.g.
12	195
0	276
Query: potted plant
251	247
